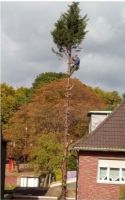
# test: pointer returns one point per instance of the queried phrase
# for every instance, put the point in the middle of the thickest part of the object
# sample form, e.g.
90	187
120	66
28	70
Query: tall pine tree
68	33
70	29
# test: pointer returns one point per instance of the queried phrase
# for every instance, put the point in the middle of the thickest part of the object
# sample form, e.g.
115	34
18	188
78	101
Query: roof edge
98	149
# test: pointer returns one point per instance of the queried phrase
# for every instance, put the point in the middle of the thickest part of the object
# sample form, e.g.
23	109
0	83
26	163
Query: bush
122	193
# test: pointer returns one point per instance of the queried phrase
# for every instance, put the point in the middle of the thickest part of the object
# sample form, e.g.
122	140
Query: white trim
111	163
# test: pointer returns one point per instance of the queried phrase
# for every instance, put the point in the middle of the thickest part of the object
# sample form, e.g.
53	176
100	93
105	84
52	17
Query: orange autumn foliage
45	113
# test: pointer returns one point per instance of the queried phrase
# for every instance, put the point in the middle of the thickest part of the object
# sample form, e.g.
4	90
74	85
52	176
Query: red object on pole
11	165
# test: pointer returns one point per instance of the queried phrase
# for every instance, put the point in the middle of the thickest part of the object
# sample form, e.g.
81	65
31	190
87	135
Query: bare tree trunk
46	180
50	178
17	166
66	133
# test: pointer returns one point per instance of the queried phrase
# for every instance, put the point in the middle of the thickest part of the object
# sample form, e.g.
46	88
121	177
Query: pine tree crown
70	29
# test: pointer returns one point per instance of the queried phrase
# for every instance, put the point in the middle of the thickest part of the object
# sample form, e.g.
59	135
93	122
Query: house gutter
98	149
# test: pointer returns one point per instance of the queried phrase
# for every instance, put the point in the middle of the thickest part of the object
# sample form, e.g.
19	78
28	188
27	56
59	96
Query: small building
101	157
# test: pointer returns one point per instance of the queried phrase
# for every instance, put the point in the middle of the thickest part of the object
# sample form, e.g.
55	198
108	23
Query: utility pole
25	146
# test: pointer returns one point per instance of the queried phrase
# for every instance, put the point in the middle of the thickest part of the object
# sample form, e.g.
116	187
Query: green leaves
22	96
46	78
7	102
70	29
47	155
112	98
11	100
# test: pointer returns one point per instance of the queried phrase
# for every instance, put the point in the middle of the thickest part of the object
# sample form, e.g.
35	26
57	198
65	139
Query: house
101	157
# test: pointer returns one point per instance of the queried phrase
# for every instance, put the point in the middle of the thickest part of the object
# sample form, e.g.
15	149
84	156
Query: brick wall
87	186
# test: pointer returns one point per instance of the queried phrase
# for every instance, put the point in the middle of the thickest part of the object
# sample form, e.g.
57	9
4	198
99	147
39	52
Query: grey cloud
27	43
104	71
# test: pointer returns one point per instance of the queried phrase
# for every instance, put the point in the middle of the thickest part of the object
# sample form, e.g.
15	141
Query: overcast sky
27	42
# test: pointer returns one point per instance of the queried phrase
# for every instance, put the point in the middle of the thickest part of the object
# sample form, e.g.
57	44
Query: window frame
106	163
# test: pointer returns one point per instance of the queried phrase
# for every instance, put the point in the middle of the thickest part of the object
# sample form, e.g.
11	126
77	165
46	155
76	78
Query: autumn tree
68	33
17	131
48	158
7	102
44	115
11	100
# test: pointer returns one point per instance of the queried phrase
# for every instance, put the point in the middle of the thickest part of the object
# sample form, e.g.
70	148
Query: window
114	174
103	173
111	171
123	174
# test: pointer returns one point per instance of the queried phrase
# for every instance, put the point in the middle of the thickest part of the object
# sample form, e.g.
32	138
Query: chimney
95	118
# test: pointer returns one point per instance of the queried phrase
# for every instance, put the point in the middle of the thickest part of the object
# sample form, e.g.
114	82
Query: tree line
33	118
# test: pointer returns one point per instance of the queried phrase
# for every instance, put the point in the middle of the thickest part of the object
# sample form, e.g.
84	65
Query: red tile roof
108	136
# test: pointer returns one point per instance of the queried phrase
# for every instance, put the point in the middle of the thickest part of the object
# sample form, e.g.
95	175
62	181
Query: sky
26	43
